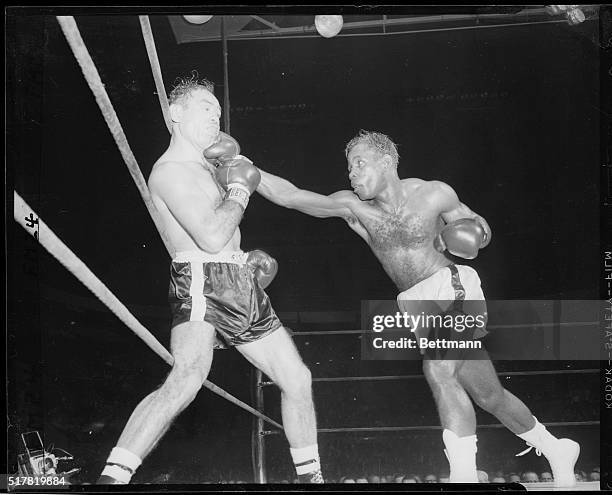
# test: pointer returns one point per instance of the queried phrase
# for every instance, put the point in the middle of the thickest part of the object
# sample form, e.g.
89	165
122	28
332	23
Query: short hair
380	142
184	87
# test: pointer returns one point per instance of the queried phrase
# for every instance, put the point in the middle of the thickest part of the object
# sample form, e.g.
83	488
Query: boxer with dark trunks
201	187
409	224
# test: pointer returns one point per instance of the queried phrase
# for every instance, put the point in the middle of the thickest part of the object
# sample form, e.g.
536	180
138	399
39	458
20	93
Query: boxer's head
372	160
195	111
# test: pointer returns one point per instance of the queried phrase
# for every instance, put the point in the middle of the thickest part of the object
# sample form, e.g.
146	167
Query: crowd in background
483	477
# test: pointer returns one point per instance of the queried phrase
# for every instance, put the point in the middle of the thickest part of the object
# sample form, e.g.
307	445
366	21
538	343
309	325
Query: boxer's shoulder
345	197
176	171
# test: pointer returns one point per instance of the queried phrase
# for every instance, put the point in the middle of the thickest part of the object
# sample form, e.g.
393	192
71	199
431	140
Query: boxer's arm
452	209
284	193
210	226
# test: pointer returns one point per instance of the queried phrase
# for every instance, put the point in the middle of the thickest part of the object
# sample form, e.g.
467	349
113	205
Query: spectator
580	475
545	477
530	477
398	478
361	480
594	476
483	477
409	479
499	479
347	480
431	478
514	478
374	478
444	478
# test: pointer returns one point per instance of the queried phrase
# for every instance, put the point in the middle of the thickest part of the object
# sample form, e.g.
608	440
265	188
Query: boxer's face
366	168
200	118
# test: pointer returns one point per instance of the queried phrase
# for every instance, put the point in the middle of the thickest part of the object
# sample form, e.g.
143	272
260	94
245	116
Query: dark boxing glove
263	266
239	177
224	149
463	238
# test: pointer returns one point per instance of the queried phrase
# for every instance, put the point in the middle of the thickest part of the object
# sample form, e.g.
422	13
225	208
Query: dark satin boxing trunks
220	289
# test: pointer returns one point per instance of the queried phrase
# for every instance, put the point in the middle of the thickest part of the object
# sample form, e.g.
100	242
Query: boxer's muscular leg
277	357
479	379
192	349
454	406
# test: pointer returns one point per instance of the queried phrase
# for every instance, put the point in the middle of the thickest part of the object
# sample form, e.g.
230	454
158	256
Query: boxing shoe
108	480
314	477
562	454
461	455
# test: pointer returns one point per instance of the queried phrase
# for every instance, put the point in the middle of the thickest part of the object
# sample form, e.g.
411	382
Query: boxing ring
32	223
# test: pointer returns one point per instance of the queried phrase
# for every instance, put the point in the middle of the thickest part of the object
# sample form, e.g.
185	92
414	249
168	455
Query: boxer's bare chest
402	240
409	226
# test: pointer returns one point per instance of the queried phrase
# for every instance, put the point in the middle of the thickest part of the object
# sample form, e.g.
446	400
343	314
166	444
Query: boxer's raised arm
284	193
210	226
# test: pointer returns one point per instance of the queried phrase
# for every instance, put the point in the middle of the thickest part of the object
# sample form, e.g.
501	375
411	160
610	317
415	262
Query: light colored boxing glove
263	266
239	177
224	149
463	238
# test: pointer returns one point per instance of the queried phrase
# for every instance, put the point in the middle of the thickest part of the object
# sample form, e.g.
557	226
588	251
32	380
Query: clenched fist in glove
462	238
224	149
239	177
264	267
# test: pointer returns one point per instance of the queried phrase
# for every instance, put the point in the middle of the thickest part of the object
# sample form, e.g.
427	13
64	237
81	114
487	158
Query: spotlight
575	16
197	19
328	26
573	12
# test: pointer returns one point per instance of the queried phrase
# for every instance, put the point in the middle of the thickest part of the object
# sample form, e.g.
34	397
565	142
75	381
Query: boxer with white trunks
409	224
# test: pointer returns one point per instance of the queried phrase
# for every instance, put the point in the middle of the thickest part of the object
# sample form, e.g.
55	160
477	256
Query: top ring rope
147	34
73	36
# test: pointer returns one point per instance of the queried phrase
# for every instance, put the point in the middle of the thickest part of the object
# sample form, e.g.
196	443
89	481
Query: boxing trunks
453	290
220	289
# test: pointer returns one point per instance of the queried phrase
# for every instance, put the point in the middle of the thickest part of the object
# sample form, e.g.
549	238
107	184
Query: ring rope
147	34
492	327
92	77
412	377
73	36
363	429
23	213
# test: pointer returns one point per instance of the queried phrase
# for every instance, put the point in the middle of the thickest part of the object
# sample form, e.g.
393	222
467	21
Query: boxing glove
263	266
224	149
239	177
463	238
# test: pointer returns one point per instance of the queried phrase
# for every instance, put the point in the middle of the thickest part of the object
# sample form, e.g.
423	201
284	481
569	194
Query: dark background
509	117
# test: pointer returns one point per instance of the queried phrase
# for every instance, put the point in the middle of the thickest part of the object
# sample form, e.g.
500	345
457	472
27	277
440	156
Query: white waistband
238	257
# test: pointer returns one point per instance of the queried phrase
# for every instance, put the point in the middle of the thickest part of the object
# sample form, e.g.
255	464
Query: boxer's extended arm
284	193
210	226
452	209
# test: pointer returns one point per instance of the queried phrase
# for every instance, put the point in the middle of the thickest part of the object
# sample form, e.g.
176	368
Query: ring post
258	446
